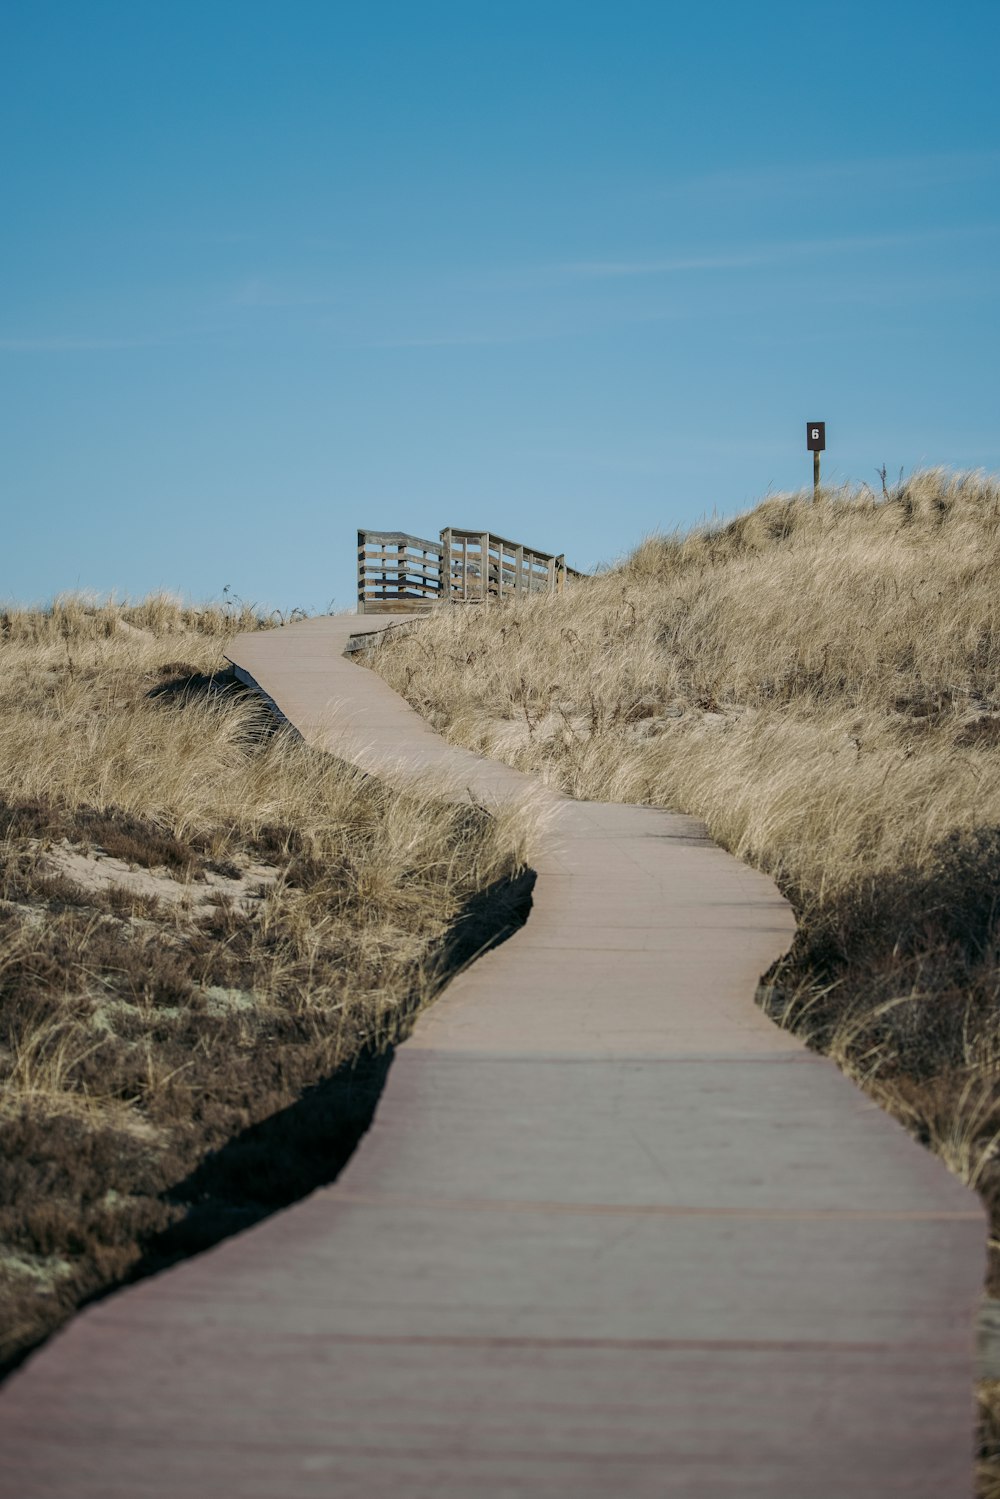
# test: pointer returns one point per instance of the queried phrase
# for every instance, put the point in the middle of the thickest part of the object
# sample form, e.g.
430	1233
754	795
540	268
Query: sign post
816	444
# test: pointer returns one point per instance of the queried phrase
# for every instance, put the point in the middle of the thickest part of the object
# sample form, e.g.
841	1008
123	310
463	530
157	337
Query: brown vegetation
820	683
210	937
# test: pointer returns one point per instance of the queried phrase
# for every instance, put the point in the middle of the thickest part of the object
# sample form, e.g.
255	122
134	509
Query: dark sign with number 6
816	437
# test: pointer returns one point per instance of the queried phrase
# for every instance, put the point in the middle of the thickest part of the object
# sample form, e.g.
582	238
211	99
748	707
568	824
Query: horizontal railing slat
465	566
402	538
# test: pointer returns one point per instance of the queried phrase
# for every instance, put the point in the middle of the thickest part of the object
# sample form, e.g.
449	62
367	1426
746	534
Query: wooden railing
396	572
401	573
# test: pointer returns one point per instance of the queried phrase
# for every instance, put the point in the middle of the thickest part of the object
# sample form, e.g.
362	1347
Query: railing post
560	572
361	572
484	544
519	569
444	582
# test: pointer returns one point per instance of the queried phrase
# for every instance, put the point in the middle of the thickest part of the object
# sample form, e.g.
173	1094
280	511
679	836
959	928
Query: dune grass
210	938
821	683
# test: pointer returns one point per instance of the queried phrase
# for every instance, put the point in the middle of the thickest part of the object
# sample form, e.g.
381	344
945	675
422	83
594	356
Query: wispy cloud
923	169
775	253
671	265
261	291
459	340
62	344
199	236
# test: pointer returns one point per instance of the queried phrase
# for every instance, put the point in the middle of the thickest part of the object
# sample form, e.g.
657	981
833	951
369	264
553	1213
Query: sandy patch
99	872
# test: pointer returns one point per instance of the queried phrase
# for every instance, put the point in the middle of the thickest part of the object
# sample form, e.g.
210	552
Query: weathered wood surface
394	568
457	533
611	1234
465	567
402	538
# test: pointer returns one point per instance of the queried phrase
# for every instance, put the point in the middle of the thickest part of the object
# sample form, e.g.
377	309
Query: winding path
612	1233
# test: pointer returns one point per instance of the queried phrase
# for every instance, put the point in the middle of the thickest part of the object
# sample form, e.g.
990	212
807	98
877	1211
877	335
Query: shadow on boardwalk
305	1146
298	1149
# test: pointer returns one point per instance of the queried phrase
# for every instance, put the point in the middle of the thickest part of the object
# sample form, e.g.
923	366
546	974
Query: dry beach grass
820	683
210	937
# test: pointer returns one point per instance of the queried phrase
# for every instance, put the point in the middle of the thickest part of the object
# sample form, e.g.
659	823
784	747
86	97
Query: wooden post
361	572
551	570
444	583
519	566
484	566
560	572
816	444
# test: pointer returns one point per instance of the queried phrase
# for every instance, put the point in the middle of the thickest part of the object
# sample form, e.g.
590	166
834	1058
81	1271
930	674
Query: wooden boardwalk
611	1233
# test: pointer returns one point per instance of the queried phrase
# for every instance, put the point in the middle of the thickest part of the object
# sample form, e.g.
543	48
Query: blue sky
570	271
